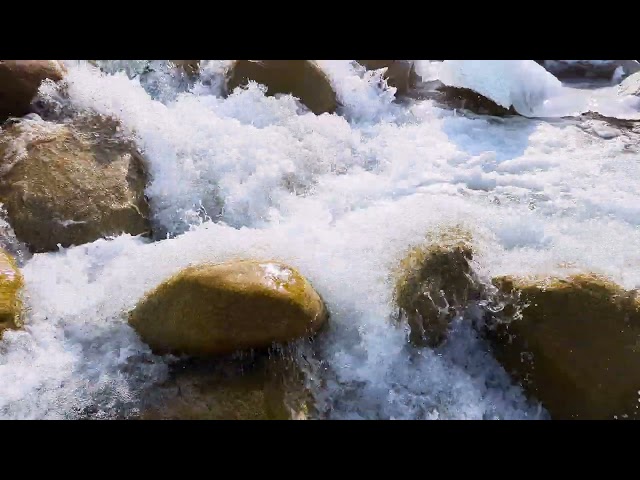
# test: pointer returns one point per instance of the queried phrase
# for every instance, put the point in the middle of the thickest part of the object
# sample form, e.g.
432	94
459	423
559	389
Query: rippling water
341	197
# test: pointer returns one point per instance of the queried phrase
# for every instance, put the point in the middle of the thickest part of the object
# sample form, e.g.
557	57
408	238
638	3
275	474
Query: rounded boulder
301	78
219	309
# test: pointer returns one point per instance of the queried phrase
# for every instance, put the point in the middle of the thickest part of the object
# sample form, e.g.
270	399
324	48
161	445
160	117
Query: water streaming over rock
342	198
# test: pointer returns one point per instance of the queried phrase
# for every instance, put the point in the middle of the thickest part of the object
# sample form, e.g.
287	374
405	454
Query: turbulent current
341	197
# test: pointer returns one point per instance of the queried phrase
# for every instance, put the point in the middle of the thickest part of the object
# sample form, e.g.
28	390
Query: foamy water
532	91
340	197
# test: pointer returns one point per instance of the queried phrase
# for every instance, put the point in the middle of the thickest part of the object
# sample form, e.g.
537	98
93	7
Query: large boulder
574	344
256	388
71	184
222	308
400	74
20	81
11	283
435	283
301	78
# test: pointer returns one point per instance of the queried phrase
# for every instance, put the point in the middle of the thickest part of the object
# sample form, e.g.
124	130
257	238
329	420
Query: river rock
301	78
459	98
222	308
574	344
400	74
20	81
190	67
71	184
435	283
467	99
260	387
11	283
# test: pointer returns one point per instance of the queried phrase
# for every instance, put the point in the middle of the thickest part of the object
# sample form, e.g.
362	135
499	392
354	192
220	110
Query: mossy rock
301	78
222	308
71	184
574	344
11	283
260	387
400	74
20	81
435	282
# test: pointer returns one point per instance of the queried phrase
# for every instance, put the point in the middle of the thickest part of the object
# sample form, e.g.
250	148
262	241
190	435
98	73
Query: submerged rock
11	283
256	388
190	67
435	283
20	81
71	184
400	74
222	308
301	78
574	344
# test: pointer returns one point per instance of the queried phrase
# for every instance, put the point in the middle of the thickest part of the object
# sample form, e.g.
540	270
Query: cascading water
341	197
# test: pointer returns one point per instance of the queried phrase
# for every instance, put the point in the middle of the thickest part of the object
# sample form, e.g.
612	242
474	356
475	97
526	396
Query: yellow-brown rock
11	283
71	184
301	78
218	309
434	283
574	344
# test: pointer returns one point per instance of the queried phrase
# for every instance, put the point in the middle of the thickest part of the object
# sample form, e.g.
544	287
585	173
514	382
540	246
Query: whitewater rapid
340	197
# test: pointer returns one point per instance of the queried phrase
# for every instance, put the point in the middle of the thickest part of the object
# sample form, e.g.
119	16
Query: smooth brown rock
574	344
216	309
301	78
20	81
400	74
464	98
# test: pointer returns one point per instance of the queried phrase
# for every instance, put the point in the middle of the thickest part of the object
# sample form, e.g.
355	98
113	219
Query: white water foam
534	92
342	198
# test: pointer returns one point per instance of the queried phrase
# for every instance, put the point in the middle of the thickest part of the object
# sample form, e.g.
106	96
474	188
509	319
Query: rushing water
341	197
